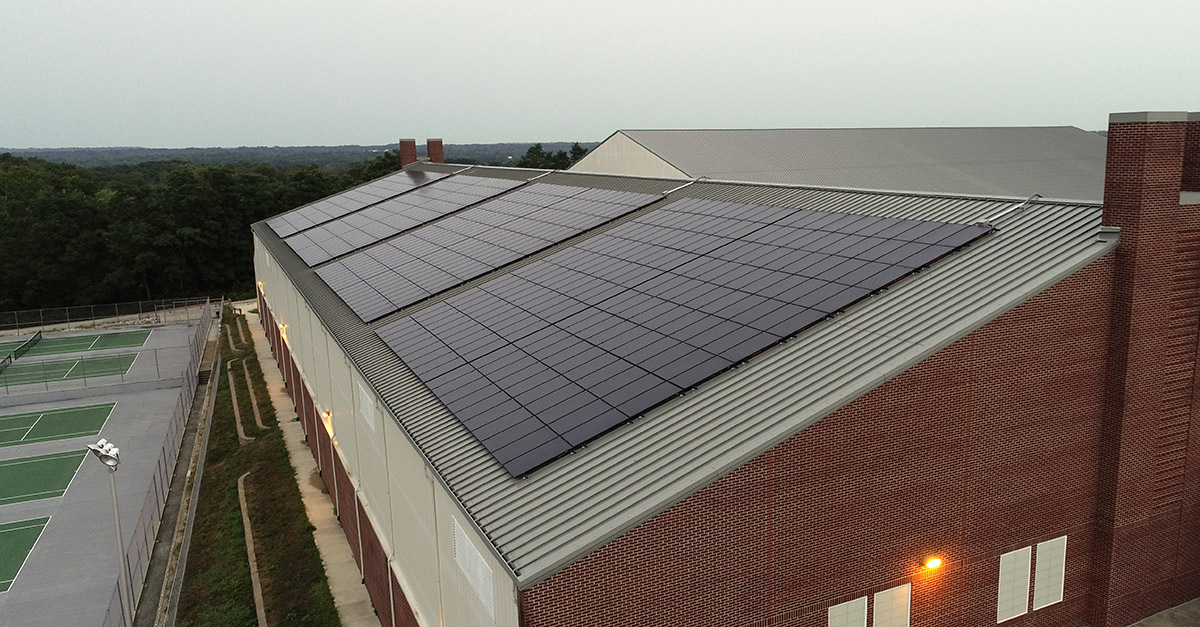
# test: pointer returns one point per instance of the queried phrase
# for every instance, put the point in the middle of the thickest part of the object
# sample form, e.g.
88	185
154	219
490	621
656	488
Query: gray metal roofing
577	503
1061	162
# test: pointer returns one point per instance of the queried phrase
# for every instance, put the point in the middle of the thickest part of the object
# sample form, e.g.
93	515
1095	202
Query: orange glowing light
933	562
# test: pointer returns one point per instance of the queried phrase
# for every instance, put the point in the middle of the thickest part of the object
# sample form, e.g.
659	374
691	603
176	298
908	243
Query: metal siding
579	502
1058	162
413	521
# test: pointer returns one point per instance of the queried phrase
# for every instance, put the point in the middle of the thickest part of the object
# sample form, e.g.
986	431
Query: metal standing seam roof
1060	162
576	504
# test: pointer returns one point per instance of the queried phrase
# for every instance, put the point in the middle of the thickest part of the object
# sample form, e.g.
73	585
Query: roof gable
1057	162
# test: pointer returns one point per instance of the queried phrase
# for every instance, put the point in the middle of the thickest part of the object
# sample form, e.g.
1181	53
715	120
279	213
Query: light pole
111	456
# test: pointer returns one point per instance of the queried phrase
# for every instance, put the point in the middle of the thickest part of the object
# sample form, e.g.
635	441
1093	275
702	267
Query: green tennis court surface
53	424
16	543
79	343
43	371
35	478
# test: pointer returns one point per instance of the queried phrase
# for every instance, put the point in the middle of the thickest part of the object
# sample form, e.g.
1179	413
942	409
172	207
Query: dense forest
71	235
328	156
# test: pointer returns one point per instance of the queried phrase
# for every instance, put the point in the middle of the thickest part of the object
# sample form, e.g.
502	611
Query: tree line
71	235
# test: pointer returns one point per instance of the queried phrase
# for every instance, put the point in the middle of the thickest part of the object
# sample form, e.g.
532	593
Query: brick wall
347	508
1191	161
403	614
992	444
1146	504
375	568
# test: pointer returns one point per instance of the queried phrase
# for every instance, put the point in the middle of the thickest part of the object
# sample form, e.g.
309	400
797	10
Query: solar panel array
339	205
539	361
468	244
395	215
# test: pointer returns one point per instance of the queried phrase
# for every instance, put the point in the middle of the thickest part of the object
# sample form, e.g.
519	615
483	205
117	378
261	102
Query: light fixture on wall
932	562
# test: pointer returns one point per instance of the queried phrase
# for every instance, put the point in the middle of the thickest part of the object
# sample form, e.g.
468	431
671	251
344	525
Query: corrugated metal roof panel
574	505
1056	161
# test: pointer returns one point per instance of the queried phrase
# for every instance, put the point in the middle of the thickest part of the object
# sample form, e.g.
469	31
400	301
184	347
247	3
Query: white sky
162	73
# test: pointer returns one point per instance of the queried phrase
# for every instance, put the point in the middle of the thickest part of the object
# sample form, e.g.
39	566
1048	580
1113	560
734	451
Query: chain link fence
137	554
139	364
92	316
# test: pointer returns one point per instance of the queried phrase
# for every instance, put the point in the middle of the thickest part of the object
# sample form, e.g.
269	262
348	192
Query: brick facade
990	445
1191	161
1147	553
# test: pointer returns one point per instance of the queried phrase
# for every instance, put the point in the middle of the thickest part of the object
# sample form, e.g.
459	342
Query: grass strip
216	589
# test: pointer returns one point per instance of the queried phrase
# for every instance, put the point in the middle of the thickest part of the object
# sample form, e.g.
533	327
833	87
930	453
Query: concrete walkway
1186	615
349	594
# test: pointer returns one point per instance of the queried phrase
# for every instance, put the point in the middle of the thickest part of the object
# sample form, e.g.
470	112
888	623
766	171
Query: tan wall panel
460	602
621	155
412	532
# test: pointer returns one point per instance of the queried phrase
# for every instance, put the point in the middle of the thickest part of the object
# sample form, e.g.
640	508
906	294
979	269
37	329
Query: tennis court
78	343
16	543
35	478
53	424
62	370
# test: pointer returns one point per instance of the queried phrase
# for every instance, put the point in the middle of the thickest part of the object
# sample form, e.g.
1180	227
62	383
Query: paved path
349	594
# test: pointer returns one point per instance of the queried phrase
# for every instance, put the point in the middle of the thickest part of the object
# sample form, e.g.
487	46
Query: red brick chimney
408	152
434	148
1147	545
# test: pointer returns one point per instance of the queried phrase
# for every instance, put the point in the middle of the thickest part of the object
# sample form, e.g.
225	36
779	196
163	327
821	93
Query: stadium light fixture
110	456
107	453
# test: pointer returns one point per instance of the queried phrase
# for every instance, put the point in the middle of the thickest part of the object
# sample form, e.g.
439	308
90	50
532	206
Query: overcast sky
160	73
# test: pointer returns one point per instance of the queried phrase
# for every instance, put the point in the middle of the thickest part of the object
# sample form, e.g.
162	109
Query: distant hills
278	155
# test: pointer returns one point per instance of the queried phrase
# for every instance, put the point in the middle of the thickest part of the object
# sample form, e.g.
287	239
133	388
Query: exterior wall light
931	562
327	420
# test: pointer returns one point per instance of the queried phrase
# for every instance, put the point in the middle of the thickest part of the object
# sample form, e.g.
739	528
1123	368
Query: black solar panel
458	248
327	209
395	215
538	362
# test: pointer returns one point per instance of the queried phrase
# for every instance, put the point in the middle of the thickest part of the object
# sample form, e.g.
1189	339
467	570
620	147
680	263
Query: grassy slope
216	589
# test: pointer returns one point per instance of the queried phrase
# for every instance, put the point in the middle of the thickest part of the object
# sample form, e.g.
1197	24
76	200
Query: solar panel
538	362
336	206
468	244
395	215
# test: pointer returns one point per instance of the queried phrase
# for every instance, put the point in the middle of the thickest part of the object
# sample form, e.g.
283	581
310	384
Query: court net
24	348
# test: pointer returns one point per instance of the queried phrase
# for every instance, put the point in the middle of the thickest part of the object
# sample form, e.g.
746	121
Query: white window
849	614
891	607
1013	598
1049	573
